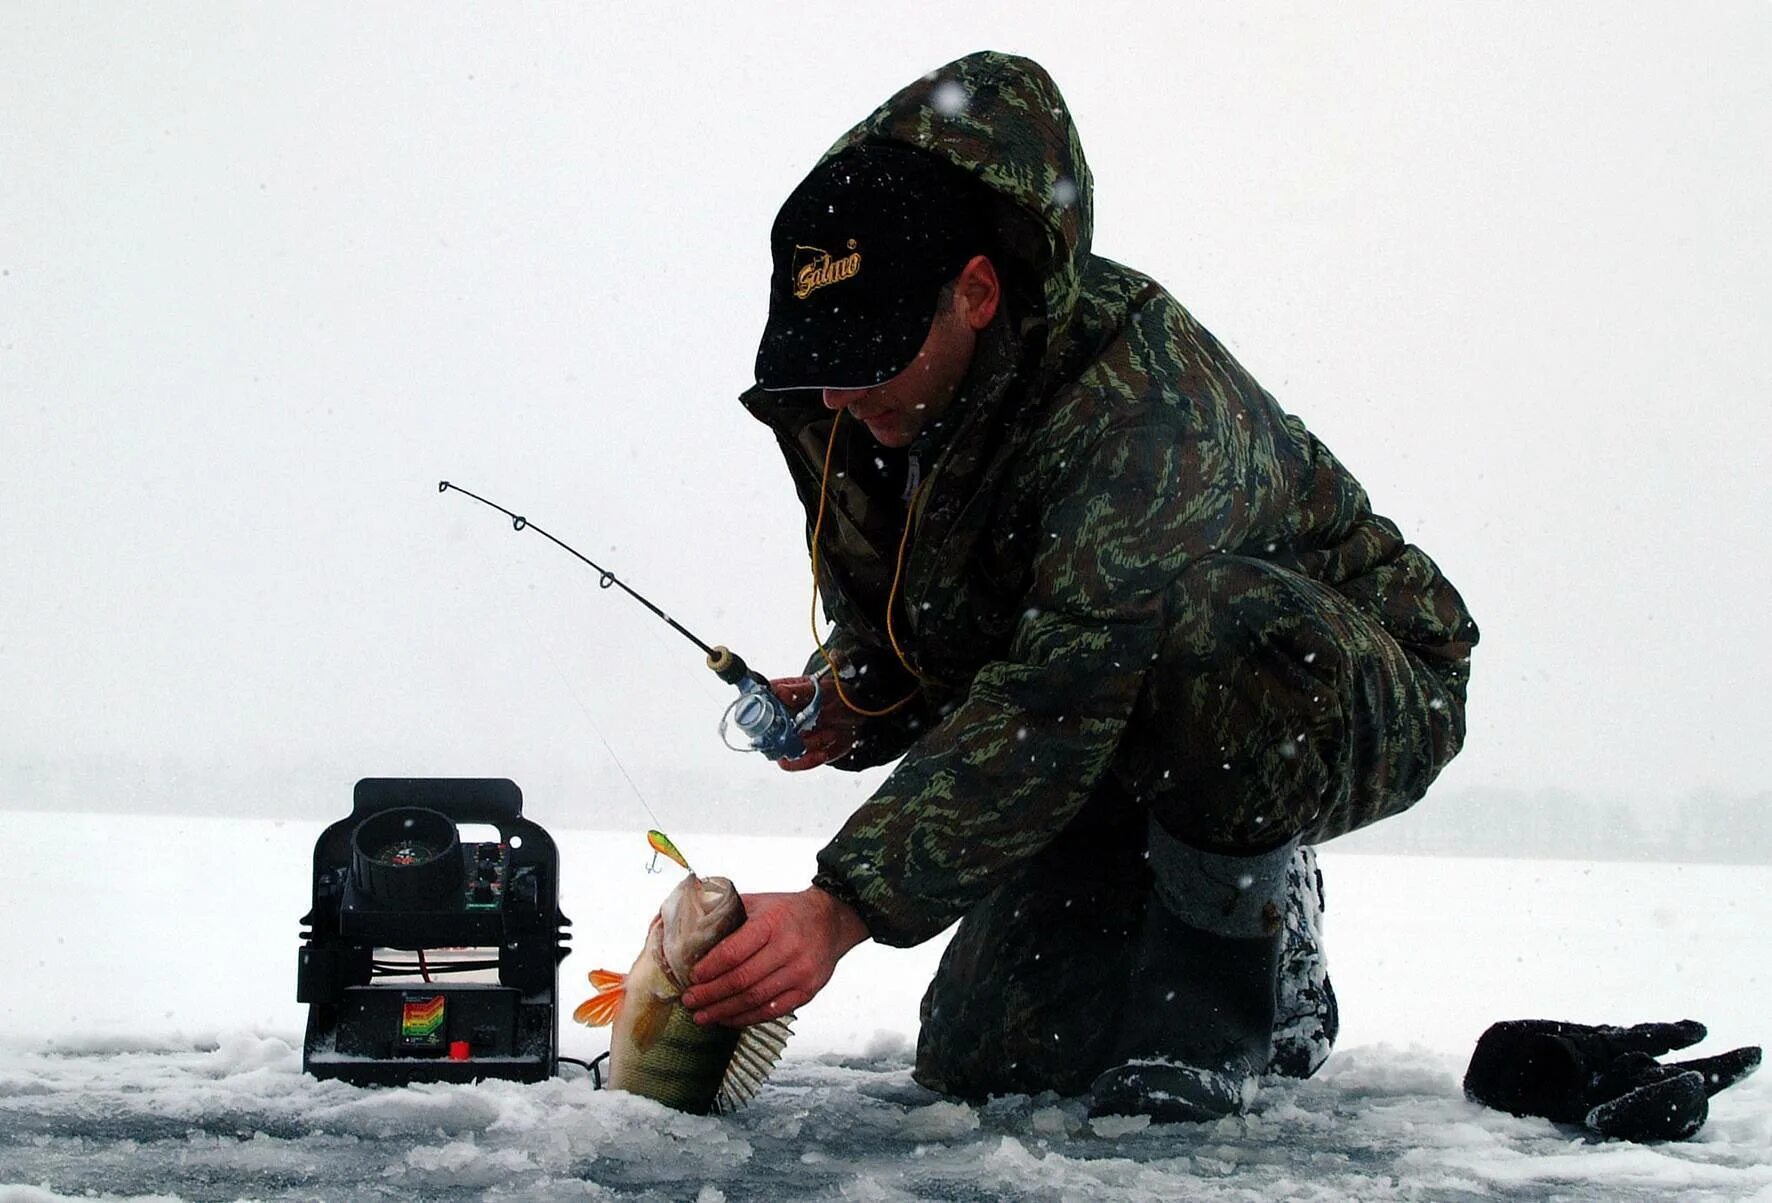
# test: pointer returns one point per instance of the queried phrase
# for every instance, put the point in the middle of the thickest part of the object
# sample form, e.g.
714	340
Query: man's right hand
831	736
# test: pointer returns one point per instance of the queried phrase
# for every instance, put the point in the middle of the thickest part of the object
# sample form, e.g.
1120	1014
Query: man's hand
831	735
777	961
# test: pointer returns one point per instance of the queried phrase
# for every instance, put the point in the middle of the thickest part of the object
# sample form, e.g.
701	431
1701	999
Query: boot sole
1167	1093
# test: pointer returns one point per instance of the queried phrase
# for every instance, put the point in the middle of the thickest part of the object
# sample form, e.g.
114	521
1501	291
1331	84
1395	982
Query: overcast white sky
268	273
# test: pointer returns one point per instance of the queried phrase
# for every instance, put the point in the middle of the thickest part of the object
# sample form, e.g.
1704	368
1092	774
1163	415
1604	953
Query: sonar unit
433	948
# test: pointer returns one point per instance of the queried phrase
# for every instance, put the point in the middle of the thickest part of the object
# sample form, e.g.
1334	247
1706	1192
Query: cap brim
839	349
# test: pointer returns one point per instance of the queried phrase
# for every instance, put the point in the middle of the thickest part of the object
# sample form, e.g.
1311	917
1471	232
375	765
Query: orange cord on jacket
891	596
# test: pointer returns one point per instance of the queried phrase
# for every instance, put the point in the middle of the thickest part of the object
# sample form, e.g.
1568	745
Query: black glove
1605	1078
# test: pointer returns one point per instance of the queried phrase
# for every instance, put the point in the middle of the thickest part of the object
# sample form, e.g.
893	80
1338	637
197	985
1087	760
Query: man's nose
843	398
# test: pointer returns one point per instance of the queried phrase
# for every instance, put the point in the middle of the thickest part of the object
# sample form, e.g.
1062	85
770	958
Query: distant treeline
1558	824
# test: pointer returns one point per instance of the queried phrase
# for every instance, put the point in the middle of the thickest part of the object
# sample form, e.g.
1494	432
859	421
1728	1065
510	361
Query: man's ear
978	292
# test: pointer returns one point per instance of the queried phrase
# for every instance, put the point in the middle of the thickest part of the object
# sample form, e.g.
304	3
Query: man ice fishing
1138	637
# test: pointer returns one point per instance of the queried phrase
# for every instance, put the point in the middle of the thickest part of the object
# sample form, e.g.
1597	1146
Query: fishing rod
762	717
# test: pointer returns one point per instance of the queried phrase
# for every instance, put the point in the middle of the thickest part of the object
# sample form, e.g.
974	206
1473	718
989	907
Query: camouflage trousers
1275	709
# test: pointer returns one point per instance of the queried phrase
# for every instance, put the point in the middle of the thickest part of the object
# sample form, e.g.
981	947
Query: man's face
895	411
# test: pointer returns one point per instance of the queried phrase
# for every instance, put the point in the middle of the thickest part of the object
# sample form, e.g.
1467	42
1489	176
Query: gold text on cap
814	268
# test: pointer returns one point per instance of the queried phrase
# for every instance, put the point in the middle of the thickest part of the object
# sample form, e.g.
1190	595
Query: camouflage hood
1001	119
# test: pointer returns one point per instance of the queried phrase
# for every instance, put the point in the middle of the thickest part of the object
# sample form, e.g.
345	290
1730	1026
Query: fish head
697	915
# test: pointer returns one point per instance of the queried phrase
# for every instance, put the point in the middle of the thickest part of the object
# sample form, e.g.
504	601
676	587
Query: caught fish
656	1048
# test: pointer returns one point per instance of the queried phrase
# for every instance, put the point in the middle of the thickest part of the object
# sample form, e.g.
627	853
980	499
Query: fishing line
552	656
572	692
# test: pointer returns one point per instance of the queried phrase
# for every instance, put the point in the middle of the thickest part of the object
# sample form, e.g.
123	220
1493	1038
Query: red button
458	1050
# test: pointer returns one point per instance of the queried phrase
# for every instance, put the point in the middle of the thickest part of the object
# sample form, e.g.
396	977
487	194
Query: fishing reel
760	716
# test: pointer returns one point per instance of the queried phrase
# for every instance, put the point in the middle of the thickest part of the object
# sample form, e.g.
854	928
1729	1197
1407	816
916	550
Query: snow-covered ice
151	1046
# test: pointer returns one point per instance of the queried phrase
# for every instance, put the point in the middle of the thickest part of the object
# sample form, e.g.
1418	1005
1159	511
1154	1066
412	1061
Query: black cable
411	967
596	1074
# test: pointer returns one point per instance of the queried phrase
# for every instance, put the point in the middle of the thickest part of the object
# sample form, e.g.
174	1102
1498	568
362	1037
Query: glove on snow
1604	1077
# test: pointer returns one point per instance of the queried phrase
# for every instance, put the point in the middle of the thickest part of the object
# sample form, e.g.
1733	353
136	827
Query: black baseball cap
862	248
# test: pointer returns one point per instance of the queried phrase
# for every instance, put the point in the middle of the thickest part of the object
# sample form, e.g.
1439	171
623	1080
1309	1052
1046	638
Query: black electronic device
396	876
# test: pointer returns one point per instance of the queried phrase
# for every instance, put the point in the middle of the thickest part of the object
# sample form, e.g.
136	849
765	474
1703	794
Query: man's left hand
777	961
832	736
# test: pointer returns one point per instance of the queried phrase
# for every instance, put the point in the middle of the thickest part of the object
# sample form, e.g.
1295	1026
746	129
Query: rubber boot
1197	1031
1306	1017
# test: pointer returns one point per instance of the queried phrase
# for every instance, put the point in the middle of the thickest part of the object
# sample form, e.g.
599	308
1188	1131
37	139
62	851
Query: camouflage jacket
1102	441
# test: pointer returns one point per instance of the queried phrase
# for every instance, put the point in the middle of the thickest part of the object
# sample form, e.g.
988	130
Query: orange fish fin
595	1012
649	1025
606	979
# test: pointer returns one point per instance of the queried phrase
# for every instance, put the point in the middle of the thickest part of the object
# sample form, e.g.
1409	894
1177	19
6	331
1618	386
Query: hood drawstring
891	596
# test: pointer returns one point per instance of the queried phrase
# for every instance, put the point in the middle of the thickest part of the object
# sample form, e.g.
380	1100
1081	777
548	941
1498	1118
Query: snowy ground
149	1045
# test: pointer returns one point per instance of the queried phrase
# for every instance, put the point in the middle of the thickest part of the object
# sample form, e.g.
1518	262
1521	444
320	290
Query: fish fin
595	1012
606	979
649	1025
759	1048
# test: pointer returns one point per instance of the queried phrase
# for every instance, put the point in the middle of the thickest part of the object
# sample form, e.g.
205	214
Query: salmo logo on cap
815	267
916	219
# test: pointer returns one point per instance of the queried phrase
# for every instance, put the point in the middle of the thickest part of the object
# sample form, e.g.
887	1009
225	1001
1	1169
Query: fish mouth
678	983
699	914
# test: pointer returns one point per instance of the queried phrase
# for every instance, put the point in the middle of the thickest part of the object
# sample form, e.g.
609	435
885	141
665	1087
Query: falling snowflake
950	98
